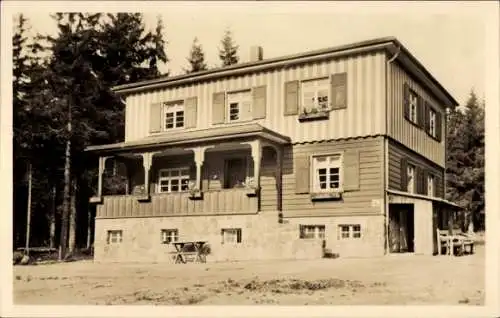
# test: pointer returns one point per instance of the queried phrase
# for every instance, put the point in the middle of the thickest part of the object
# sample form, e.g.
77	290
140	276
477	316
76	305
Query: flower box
314	115
326	196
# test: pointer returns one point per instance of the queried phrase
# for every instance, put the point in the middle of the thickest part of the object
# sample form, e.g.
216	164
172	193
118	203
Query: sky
447	38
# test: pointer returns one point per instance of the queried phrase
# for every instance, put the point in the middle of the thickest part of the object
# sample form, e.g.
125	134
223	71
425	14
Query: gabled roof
389	44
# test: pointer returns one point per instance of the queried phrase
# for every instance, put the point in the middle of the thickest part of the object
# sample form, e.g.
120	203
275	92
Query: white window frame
431	183
179	115
228	238
114	237
432	122
315	86
238	98
180	174
349	231
410	178
332	161
169	236
413	105
309	231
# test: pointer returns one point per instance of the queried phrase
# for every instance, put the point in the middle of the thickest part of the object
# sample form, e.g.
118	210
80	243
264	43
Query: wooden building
344	145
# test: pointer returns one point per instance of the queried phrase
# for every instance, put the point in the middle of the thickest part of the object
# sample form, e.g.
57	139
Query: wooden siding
396	152
401	129
230	201
363	116
357	202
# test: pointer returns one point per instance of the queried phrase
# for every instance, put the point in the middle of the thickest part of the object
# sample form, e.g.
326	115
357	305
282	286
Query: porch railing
225	201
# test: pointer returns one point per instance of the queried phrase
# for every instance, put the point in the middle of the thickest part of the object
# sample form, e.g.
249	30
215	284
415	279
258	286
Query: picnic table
189	250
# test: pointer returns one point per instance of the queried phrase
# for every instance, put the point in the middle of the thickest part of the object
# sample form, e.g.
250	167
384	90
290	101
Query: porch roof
204	136
424	197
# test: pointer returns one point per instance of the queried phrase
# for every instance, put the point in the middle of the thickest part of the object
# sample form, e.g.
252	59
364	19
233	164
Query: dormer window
173	115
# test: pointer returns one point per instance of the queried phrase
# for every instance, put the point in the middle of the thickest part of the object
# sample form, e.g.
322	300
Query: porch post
279	176
257	158
199	158
147	159
102	167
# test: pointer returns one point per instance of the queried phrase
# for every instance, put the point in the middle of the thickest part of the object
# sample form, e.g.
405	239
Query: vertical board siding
363	116
401	129
178	204
396	152
358	202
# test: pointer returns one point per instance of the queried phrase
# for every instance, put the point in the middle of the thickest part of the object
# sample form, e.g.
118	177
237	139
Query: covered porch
205	172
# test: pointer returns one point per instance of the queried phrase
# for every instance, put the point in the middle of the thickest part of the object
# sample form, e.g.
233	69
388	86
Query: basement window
347	231
312	231
231	236
115	236
169	235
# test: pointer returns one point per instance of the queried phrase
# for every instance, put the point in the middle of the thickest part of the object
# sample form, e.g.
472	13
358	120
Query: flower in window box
251	185
194	192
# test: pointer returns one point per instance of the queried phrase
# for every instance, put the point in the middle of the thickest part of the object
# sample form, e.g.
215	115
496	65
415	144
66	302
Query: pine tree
228	54
196	58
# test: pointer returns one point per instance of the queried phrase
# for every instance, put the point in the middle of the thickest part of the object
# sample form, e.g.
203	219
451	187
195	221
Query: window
173	113
315	94
312	231
410	178
169	236
430	185
349	231
231	236
114	237
413	106
239	105
173	180
327	173
432	123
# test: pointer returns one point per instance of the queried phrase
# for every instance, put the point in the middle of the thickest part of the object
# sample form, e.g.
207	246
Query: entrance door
401	228
235	172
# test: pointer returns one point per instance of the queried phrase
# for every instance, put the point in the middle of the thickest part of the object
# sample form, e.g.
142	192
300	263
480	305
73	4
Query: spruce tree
196	58
228	54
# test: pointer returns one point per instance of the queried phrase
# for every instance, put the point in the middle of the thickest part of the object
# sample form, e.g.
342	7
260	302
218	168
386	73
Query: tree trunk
28	211
72	219
66	194
52	218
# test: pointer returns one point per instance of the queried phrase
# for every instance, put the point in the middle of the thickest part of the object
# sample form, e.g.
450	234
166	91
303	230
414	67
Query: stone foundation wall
372	240
262	238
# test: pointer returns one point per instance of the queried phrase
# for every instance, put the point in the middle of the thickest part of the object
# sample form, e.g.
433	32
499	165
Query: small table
181	253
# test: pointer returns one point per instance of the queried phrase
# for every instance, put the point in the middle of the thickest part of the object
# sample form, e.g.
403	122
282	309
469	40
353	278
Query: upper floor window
413	104
173	180
173	115
315	94
312	231
239	106
432	122
410	178
327	173
430	185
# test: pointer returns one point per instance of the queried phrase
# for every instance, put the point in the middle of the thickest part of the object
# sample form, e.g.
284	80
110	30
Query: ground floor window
173	179
347	231
231	236
169	235
114	236
312	231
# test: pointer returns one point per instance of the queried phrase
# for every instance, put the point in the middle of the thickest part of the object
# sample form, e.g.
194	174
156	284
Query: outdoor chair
449	242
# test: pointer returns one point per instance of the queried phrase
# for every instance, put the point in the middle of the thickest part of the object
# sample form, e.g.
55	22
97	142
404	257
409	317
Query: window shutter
439	125
427	109
351	170
406	100
404	174
259	102
155	118
420	112
291	98
190	112
425	180
219	108
339	90
302	174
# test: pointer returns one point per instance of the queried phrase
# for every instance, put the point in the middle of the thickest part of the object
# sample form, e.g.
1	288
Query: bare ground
389	280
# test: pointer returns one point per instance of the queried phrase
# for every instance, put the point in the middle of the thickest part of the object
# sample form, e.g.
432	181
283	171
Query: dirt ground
389	280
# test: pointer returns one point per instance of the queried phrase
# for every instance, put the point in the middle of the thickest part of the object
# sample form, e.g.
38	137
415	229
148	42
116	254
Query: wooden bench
449	242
